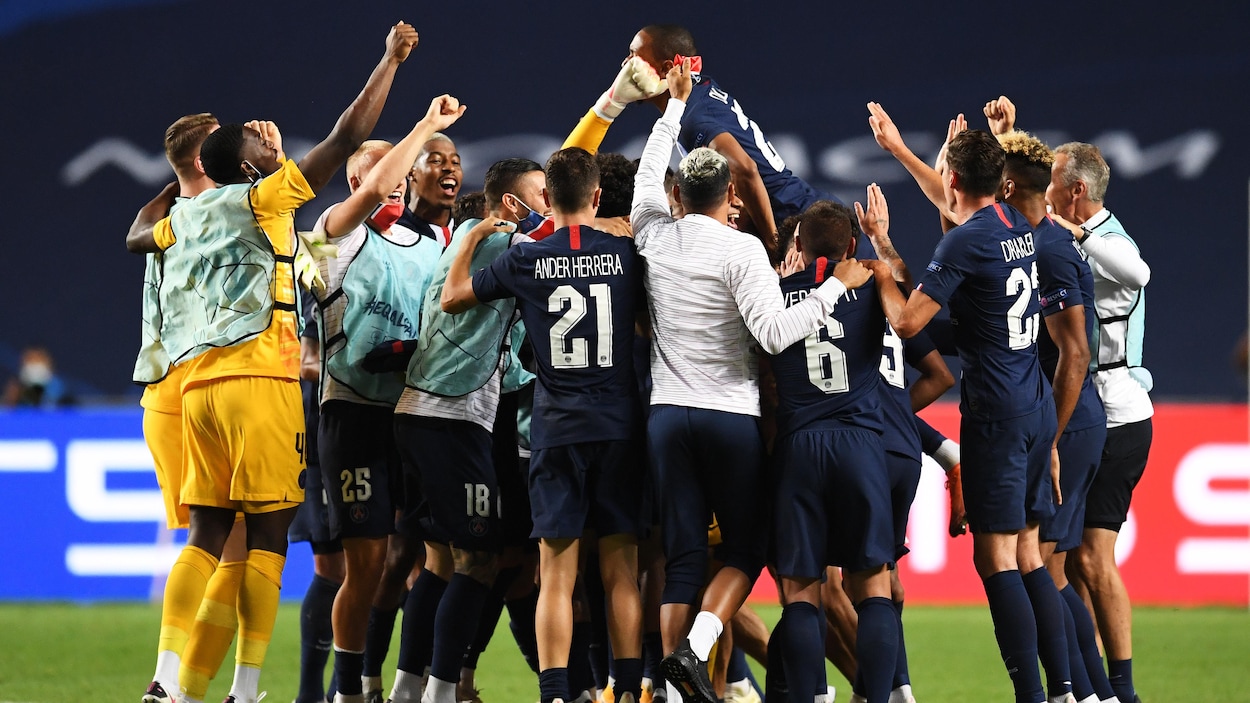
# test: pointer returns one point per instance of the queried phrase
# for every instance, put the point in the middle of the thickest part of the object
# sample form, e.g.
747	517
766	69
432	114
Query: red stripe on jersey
575	236
1050	219
446	236
1002	215
821	263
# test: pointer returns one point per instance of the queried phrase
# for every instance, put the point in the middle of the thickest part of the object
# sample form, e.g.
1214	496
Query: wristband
1084	235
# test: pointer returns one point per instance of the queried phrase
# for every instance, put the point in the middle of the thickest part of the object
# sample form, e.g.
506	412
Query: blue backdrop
90	85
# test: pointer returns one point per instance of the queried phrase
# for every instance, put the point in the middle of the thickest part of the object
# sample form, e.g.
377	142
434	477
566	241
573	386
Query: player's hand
270	137
306	270
957	125
443	113
315	244
959	517
880	269
615	226
852	273
1054	475
1002	115
875	219
679	80
793	263
169	194
884	130
1075	229
635	81
486	228
401	41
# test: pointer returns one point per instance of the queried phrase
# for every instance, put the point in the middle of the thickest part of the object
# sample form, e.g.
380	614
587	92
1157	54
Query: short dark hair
469	206
221	154
572	177
502	177
978	159
827	229
668	40
183	139
616	178
704	179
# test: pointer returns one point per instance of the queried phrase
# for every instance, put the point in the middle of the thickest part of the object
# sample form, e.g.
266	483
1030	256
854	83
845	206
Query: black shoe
156	694
684	670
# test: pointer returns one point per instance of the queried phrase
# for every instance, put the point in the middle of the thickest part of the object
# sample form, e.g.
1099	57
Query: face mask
386	215
255	175
530	222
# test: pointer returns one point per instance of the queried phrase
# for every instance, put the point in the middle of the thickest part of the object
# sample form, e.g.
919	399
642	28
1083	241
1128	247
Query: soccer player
1066	286
374	288
1076	191
162	428
832	493
443	424
234	329
578	290
985	269
711	289
434	182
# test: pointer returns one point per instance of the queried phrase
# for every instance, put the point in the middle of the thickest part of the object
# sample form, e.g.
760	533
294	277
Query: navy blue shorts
705	461
831	502
904	472
587	486
515	524
1006	470
1124	458
1080	451
450	464
312	518
359	468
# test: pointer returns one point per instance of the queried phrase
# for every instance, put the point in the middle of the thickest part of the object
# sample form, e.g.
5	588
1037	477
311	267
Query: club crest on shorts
358	513
479	526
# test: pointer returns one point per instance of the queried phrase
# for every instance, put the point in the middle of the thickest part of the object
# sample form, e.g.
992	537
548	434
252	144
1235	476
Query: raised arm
141	238
392	168
650	201
1001	114
874	221
889	138
635	81
755	288
358	120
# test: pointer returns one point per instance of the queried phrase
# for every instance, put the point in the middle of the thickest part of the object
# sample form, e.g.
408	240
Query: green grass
105	653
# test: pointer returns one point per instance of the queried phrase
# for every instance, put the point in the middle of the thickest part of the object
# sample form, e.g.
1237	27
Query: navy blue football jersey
985	270
577	291
711	112
1065	280
833	375
900	436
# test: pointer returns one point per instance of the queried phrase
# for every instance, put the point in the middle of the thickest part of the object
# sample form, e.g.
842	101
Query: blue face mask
530	222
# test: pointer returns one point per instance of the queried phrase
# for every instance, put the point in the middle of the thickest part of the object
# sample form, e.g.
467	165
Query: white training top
333	270
711	290
1120	277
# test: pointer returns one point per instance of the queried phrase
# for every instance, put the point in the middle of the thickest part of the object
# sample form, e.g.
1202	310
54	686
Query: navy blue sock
347	668
1052	639
455	624
596	599
775	688
316	637
580	676
652	653
902	676
738	668
1016	632
930	439
416	642
628	677
1088	642
378	638
876	646
802	649
1081	686
1120	674
822	686
553	684
490	616
521	623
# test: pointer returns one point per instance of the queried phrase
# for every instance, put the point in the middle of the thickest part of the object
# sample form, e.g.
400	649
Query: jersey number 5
1021	331
571	353
826	364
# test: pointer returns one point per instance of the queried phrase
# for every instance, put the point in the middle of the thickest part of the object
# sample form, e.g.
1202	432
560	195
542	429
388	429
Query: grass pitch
105	653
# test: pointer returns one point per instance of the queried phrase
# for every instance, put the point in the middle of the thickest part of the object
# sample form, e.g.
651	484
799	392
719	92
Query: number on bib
571	353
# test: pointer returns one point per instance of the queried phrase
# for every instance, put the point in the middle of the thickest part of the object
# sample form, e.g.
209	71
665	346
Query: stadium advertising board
85	519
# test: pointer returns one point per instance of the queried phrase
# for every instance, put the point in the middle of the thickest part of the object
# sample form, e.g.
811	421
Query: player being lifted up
985	270
711	289
578	291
